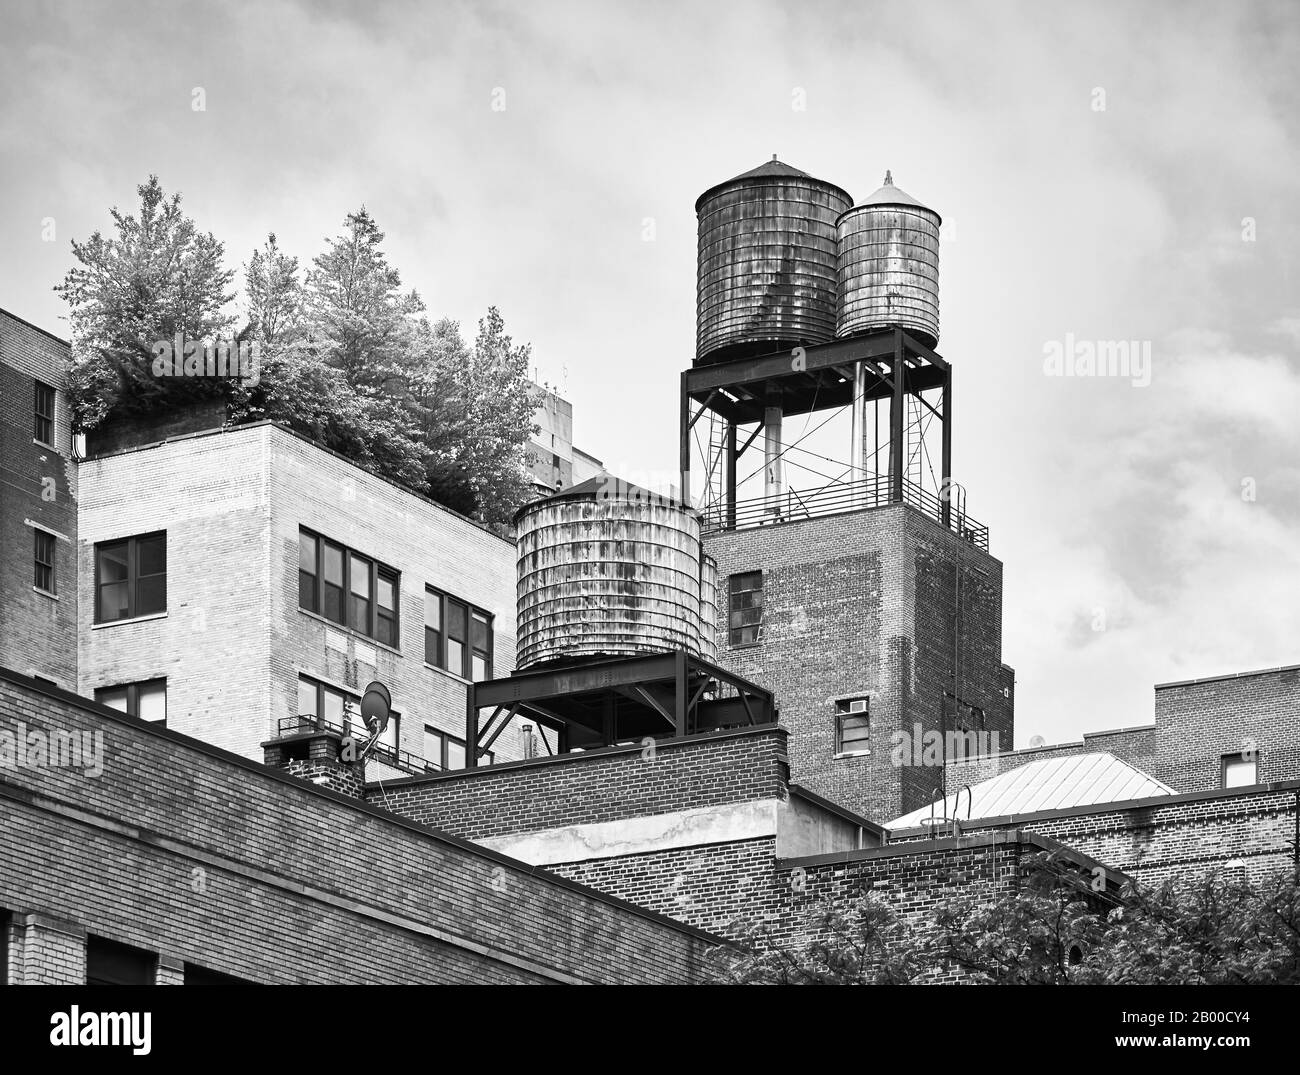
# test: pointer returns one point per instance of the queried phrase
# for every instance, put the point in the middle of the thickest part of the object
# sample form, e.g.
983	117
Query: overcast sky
1169	215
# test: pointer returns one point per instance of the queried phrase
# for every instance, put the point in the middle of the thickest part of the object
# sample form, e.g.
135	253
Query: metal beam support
729	475
682	700
471	728
684	448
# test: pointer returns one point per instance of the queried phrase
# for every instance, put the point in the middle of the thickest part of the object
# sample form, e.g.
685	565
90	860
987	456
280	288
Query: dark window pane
151	595
151	554
110	963
456	613
333	603
479	625
432	647
307	591
360	614
385	628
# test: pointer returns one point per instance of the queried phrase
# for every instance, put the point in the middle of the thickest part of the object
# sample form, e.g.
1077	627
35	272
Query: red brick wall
202	856
1201	720
38	484
863	605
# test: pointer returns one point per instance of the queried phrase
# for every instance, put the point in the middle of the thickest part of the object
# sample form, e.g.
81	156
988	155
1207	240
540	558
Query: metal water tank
889	266
606	570
767	263
708	607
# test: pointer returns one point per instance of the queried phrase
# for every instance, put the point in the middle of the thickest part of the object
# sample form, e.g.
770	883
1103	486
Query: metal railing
836	499
380	752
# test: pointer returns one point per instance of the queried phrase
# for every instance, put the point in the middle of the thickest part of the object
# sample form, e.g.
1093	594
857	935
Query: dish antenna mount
376	709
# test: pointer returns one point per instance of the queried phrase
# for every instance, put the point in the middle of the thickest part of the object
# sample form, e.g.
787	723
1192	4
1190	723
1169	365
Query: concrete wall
38	490
200	856
862	605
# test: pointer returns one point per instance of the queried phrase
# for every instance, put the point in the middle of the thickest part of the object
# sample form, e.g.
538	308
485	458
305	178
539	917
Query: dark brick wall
38	484
202	856
1201	720
606	785
863	605
120	434
1185	836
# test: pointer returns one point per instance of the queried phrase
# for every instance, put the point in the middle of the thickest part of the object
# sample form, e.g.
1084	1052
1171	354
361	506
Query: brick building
153	857
38	506
267	577
880	607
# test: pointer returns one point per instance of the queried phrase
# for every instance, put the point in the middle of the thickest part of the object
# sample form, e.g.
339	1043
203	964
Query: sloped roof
773	169
892	195
1046	784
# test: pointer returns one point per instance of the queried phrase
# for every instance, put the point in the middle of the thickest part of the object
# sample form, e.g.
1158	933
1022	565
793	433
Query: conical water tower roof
892	195
773	169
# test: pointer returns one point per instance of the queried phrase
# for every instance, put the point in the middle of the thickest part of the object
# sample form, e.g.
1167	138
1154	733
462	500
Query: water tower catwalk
854	584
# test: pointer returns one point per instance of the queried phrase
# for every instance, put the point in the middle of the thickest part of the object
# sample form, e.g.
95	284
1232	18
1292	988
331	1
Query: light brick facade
233	640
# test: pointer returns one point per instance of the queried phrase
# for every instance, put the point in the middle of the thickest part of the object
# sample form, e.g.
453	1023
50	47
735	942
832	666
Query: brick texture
38	485
864	605
229	865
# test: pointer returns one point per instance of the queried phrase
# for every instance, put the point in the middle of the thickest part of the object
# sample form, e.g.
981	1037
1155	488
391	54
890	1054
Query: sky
1106	172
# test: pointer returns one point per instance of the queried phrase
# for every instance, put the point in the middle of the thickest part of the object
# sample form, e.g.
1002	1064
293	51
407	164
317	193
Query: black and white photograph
501	493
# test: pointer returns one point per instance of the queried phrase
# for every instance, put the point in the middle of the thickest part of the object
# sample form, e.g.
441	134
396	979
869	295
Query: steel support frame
527	692
713	387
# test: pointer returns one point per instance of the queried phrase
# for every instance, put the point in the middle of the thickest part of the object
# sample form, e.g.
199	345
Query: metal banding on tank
889	266
767	263
606	575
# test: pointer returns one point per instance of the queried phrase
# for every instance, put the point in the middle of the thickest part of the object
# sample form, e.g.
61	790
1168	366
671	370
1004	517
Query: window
350	589
146	699
746	608
130	577
317	699
447	752
1239	771
44	414
196	975
457	636
110	963
44	561
852	726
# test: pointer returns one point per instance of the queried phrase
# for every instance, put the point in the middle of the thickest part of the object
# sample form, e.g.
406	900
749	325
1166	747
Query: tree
1049	930
841	944
156	279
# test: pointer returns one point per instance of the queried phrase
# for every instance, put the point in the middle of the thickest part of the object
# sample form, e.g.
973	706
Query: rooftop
1046	784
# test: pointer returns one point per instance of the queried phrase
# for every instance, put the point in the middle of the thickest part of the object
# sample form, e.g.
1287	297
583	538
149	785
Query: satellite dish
376	707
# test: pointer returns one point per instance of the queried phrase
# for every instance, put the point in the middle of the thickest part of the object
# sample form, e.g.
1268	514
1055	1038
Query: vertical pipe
729	477
772	483
684	447
858	441
946	466
896	423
